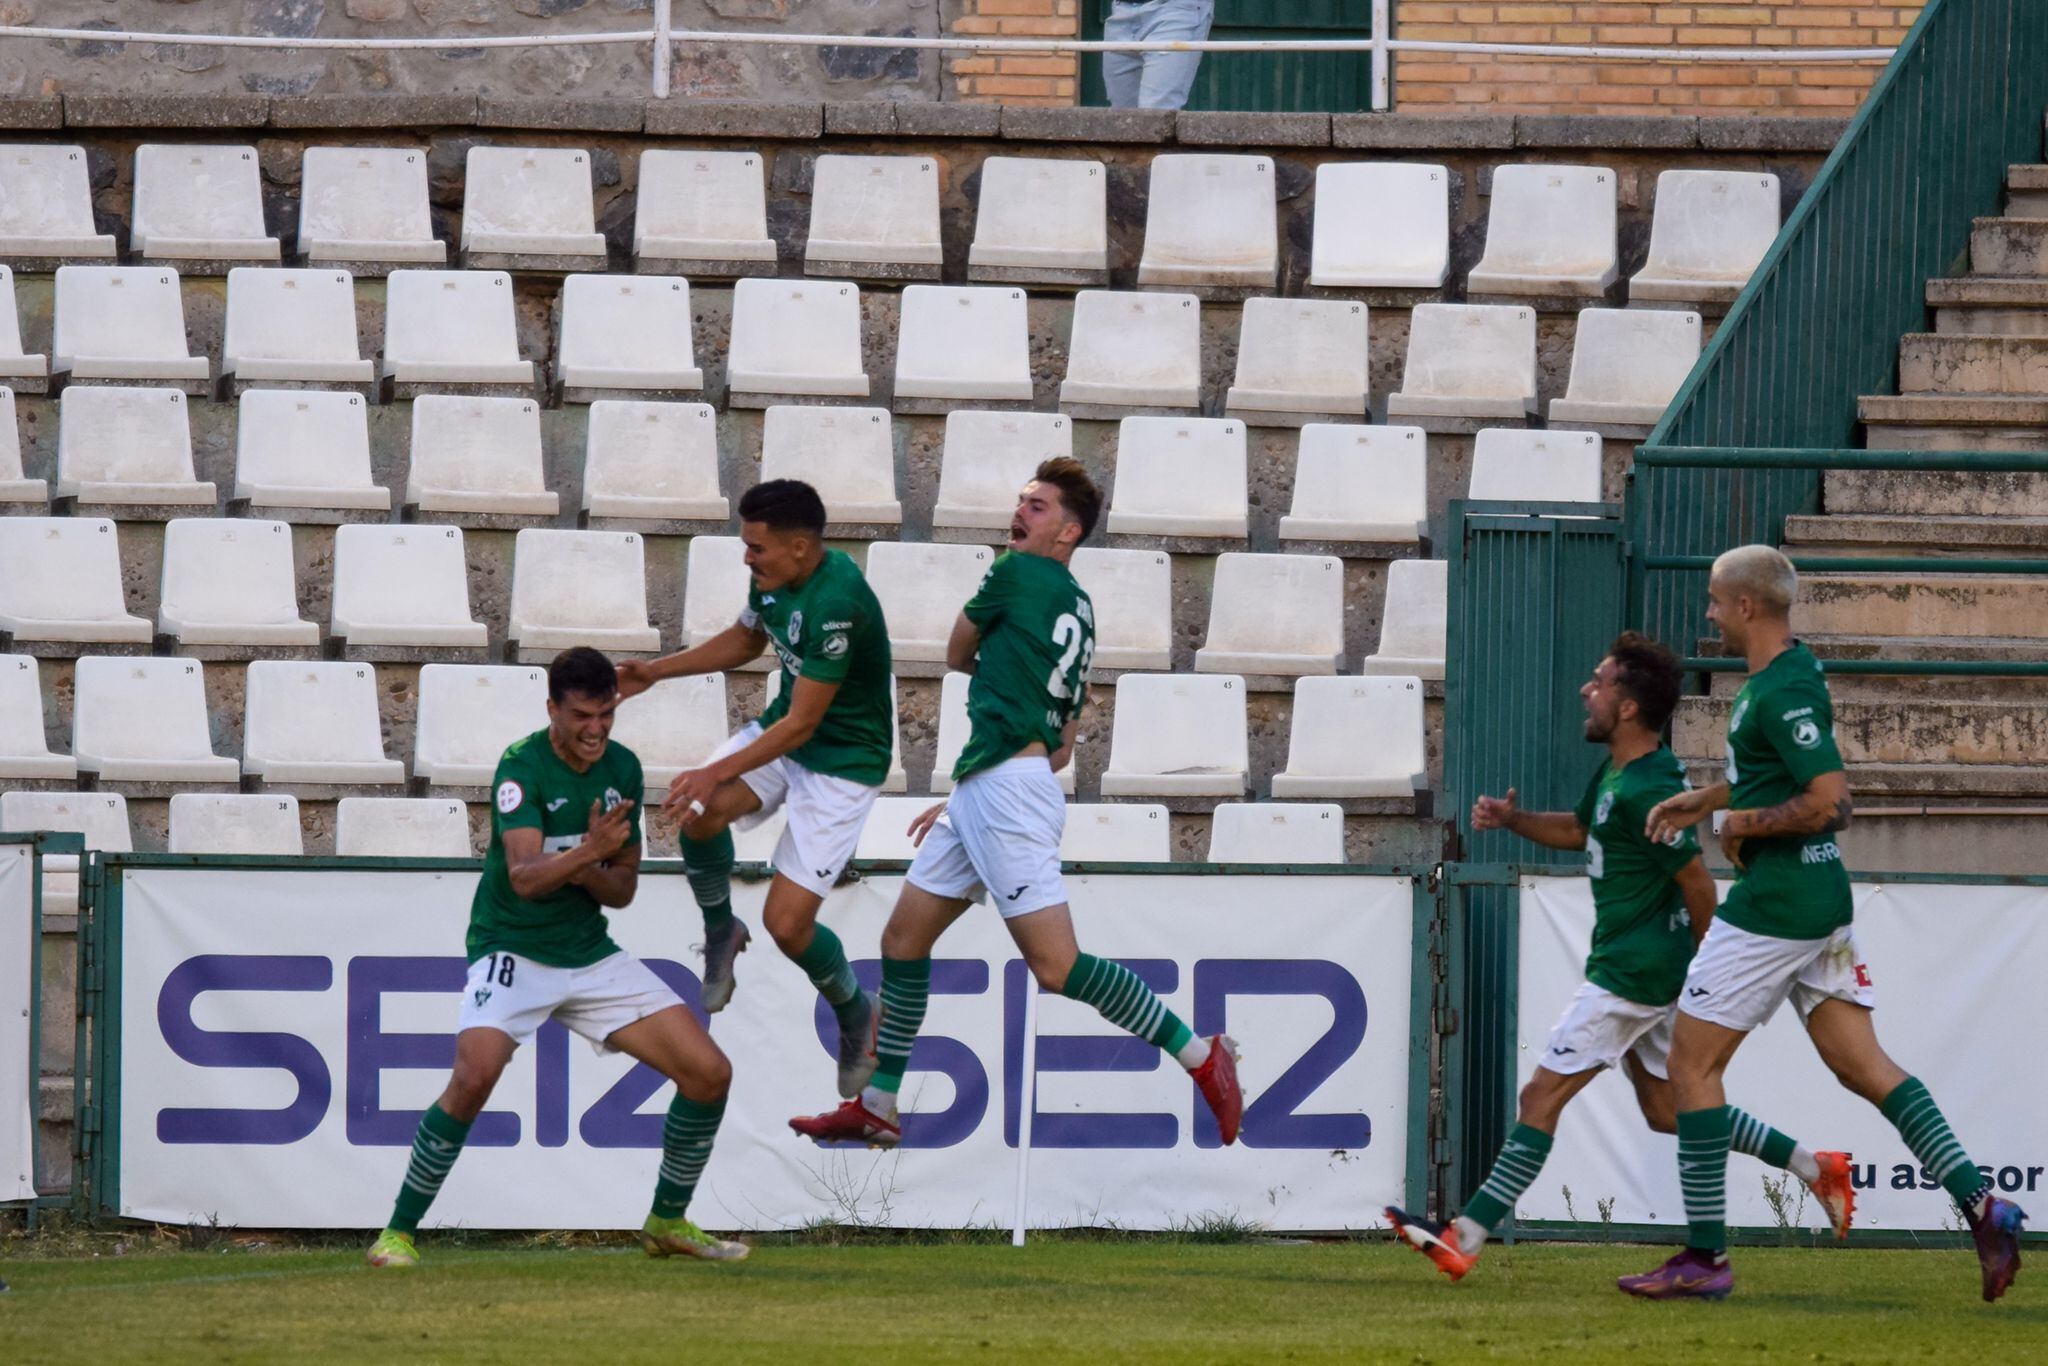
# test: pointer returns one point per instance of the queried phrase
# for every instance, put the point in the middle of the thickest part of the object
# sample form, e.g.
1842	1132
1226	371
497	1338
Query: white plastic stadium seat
305	450
794	338
623	334
1275	614
580	588
1356	483
24	751
1511	465
478	455
14	488
1355	737
922	586
702	213
715	581
1134	351
530	208
897	780
29	373
673	726
1627	364
967	344
102	817
653	461
1381	225
847	454
144	721
1550	231
874	212
117	323
1468	361
401	827
229	581
60	579
1117	832
199	204
885	836
452	327
127	446
46	205
1132	593
235	823
1276	832
1180	476
366	208
402	586
314	722
1178	735
954	731
1414	622
1708	232
1041	220
1299	359
469	714
292	327
986	461
1211	220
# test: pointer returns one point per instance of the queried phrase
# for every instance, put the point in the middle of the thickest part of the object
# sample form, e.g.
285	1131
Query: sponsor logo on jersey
557	804
836	645
837	626
1019	892
510	795
1825	852
1806	734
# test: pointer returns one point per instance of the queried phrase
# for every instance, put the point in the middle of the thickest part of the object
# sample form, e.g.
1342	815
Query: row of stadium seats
1298	360
305	456
1211	223
312	728
434	827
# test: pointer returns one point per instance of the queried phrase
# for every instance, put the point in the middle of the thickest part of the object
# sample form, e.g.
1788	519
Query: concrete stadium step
1881	533
1982	606
1940	687
1931	785
1898	731
1944	422
2026	191
2009	248
1933	493
1939	363
1979	305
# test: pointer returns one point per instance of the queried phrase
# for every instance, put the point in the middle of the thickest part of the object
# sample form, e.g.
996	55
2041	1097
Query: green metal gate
1537	593
1294	82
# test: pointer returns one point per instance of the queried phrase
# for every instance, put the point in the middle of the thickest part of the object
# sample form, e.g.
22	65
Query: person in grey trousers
1154	80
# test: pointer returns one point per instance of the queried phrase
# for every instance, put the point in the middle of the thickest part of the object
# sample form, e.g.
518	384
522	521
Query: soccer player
1027	636
1784	933
565	845
1652	902
821	749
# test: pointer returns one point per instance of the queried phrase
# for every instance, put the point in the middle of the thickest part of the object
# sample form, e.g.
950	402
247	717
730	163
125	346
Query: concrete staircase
1948	771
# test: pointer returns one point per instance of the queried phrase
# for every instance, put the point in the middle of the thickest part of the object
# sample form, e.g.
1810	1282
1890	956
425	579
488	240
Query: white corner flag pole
1028	1084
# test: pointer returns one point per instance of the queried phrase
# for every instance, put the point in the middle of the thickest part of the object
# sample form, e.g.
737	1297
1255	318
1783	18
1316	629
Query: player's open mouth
1016	531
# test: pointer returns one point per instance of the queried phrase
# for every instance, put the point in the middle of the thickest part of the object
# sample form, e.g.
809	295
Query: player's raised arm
736	645
1551	829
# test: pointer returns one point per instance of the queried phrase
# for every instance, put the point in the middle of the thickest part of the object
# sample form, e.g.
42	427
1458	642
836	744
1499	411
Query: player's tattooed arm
1822	809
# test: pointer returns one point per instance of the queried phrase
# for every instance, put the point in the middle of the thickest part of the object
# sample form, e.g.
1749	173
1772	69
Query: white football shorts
1599	1029
1000	839
518	996
1739	979
826	814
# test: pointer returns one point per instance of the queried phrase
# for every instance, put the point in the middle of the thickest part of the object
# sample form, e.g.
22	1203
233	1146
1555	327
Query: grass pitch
1061	1299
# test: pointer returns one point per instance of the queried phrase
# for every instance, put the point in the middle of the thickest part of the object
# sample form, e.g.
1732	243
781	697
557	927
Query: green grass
1061	1299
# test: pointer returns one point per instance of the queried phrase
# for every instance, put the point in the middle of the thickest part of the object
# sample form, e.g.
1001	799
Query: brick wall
1015	78
1536	85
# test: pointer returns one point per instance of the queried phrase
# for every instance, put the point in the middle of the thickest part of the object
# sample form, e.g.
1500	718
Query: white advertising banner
17	1017
282	1031
1956	968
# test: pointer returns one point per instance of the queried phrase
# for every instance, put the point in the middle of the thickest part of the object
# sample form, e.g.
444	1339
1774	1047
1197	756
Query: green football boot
678	1237
393	1248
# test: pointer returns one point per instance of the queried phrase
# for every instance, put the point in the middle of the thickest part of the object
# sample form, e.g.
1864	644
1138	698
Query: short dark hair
784	505
1078	494
583	670
1649	674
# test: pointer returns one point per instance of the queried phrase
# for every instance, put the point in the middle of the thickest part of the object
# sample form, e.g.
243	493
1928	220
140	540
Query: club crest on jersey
835	645
796	626
1806	734
510	795
1741	710
1604	808
611	798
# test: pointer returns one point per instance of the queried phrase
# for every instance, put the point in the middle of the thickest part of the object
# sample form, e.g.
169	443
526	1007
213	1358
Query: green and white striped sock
708	866
824	962
1919	1121
686	1138
1127	1003
1754	1138
434	1150
906	986
1514	1170
1703	1137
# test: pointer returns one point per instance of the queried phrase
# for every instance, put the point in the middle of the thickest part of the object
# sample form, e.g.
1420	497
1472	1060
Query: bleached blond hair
1760	573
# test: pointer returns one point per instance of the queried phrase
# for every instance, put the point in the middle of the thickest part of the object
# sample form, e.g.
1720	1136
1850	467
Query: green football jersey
1780	738
830	627
1642	937
535	790
1037	640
